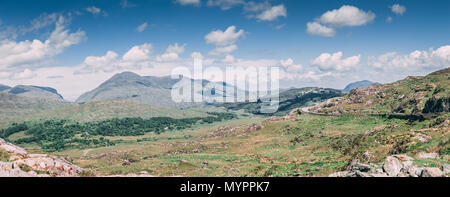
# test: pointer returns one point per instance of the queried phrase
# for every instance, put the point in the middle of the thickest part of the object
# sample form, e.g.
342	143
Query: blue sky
353	40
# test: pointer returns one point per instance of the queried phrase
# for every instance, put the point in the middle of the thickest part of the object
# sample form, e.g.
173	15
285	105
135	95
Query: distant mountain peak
358	84
4	87
33	91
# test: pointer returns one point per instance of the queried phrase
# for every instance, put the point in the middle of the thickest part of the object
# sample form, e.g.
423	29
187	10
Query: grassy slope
407	96
310	146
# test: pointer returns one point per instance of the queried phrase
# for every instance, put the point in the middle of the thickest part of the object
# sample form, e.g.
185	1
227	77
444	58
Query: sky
73	46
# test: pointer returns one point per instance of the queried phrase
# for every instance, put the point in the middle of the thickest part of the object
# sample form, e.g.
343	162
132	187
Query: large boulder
392	166
432	172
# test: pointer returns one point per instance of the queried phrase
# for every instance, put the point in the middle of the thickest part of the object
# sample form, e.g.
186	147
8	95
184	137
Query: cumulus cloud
346	16
172	53
142	27
29	53
439	58
227	37
220	51
315	28
188	2
273	13
290	66
327	61
137	56
398	9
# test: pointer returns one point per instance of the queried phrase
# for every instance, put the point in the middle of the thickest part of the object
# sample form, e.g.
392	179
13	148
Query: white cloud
138	53
189	2
227	37
273	13
253	6
219	51
398	9
290	66
346	16
197	55
225	4
228	59
335	61
315	28
439	58
136	57
93	10
142	27
26	74
29	53
172	53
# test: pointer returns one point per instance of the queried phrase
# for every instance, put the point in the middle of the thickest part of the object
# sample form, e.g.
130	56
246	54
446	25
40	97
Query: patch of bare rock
393	166
22	164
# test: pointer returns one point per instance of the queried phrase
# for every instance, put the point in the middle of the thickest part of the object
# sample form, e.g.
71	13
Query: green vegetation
57	135
4	156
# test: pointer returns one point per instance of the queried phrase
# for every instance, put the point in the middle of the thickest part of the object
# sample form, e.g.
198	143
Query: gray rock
379	175
392	166
432	172
446	168
403	157
423	155
8	169
360	167
339	174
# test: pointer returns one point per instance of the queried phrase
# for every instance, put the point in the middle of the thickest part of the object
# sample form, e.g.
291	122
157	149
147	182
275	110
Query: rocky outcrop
393	166
22	164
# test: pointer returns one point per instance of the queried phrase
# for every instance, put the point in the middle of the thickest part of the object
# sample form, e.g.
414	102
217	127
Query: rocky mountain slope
16	162
428	95
146	89
359	84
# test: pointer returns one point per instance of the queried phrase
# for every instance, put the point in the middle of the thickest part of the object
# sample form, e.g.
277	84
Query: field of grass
311	145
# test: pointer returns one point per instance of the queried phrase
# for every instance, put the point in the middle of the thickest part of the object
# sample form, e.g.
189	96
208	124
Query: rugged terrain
398	129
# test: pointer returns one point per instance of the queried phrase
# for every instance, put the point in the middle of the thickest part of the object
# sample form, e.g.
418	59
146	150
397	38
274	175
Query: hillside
426	95
359	84
289	99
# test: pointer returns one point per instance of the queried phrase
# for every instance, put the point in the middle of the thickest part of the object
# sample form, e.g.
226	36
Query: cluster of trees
56	135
